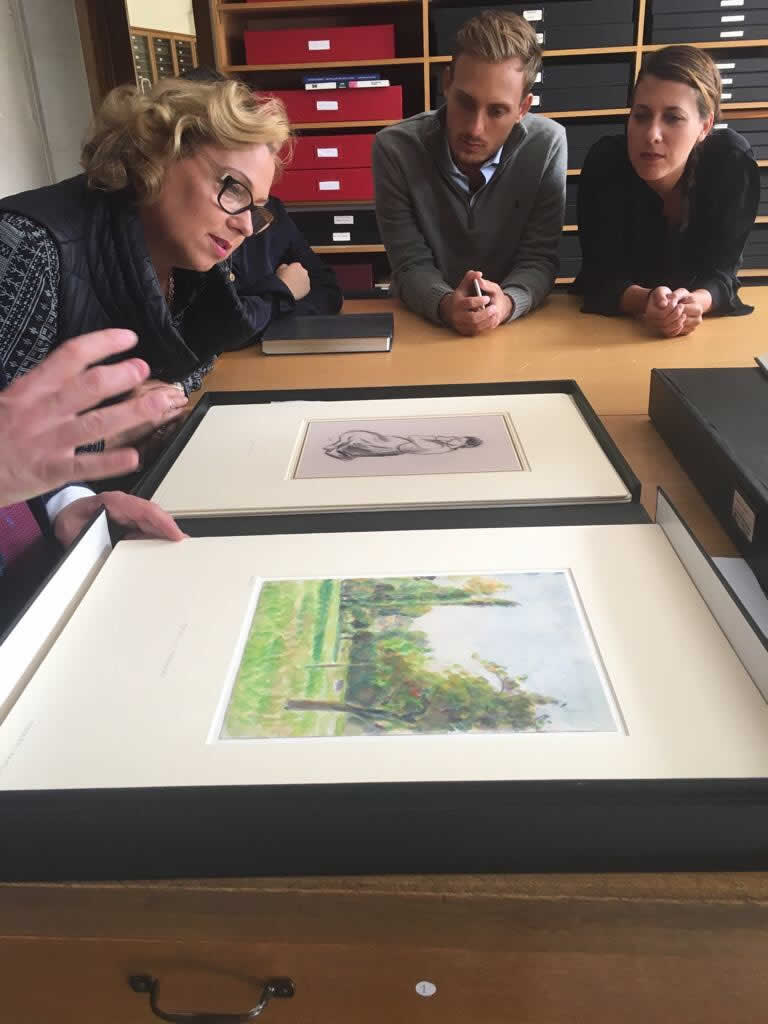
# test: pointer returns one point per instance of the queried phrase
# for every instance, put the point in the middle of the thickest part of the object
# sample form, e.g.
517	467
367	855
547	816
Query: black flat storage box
570	254
561	24
586	85
337	225
572	201
716	423
754	28
692	7
581	137
756	250
754	130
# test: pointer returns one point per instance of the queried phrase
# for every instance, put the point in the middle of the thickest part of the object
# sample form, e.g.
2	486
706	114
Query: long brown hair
692	67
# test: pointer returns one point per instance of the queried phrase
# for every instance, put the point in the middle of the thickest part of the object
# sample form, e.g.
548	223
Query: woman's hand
173	398
665	311
295	277
696	305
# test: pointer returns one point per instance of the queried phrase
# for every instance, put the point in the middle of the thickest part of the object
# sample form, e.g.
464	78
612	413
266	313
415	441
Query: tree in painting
375	672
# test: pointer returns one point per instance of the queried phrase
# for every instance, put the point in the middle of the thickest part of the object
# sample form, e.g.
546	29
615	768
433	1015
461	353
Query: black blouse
626	240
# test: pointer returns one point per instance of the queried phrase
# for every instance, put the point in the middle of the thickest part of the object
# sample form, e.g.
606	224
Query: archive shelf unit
159	54
418	66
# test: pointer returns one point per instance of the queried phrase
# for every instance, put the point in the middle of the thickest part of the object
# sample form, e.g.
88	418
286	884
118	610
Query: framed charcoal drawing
494	446
507	699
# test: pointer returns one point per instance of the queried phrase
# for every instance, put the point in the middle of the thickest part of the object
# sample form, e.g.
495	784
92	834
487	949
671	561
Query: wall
44	102
171	15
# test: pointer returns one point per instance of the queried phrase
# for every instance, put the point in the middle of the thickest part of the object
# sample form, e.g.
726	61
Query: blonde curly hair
136	136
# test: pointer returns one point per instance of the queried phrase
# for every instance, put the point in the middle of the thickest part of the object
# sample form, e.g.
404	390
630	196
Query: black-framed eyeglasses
234	197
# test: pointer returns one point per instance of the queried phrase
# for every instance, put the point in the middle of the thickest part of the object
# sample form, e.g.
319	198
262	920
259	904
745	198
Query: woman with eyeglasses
276	273
174	182
664	213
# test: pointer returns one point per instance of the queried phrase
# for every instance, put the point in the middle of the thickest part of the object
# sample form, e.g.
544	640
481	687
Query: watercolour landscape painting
408	446
490	653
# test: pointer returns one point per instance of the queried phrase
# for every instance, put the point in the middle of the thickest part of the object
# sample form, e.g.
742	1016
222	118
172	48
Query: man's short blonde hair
136	136
498	36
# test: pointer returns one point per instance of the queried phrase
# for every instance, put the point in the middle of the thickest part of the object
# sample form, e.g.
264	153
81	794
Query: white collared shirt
488	169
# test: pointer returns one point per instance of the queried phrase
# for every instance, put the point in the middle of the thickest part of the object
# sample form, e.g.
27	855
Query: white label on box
731	3
329	151
727	81
725	96
726	67
540	38
329	186
319	44
537	79
737	34
533	15
536	101
743	516
327	105
343	218
732	17
342	236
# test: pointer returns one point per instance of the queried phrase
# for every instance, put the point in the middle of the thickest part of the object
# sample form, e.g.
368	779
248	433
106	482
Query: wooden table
611	359
512	949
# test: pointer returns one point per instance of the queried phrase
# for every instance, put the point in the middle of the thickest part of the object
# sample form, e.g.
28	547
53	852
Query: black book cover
353	332
344	325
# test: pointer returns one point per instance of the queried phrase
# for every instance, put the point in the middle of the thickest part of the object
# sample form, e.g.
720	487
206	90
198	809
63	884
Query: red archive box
308	107
324	151
316	45
306	186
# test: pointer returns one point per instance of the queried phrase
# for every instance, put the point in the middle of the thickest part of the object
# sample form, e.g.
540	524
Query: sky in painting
543	638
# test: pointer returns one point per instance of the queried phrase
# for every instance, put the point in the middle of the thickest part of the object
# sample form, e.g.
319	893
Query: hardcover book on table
353	332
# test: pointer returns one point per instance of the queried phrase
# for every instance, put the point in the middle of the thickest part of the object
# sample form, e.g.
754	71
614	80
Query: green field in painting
296	625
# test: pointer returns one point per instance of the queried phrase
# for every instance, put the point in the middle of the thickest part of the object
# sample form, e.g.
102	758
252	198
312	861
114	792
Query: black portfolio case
716	423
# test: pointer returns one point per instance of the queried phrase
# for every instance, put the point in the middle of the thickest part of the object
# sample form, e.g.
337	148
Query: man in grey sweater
475	191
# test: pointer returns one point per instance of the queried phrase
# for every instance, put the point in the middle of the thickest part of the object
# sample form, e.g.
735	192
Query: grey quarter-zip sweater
434	232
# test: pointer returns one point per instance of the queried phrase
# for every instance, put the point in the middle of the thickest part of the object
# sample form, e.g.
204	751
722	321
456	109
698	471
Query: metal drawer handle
275	988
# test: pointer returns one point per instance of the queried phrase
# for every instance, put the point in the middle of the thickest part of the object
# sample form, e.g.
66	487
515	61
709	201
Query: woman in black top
664	213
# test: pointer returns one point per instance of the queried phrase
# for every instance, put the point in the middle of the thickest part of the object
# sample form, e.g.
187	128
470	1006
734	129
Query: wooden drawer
499	950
